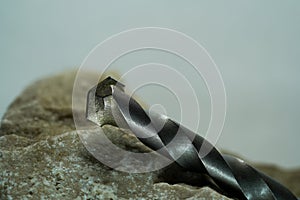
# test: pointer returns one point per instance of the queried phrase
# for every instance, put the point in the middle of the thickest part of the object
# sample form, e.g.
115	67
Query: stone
42	157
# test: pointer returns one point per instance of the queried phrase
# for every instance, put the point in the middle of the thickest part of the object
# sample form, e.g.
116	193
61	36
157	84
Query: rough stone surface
42	157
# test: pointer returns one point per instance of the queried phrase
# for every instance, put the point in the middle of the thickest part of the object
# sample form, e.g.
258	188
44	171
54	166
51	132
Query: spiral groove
233	176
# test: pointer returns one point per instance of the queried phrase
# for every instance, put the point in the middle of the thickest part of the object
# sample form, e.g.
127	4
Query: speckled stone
42	157
60	167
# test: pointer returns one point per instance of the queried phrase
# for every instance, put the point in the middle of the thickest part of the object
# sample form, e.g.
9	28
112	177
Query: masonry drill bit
109	104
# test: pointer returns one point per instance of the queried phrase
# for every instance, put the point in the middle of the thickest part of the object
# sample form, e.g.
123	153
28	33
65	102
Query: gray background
254	43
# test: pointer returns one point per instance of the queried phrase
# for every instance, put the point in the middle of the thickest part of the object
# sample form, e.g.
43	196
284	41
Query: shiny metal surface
233	176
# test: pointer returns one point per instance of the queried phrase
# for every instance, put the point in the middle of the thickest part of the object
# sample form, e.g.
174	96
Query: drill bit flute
109	104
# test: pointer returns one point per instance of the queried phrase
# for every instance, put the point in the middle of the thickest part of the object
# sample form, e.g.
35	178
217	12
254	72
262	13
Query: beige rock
42	157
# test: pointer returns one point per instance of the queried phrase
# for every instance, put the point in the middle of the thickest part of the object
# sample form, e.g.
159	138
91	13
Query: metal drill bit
109	104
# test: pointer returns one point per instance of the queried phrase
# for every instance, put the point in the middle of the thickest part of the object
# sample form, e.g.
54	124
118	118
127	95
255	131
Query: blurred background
255	44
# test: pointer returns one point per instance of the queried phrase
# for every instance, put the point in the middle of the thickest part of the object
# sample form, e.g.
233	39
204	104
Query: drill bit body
109	104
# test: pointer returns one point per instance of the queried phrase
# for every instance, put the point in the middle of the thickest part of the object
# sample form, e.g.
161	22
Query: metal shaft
109	104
